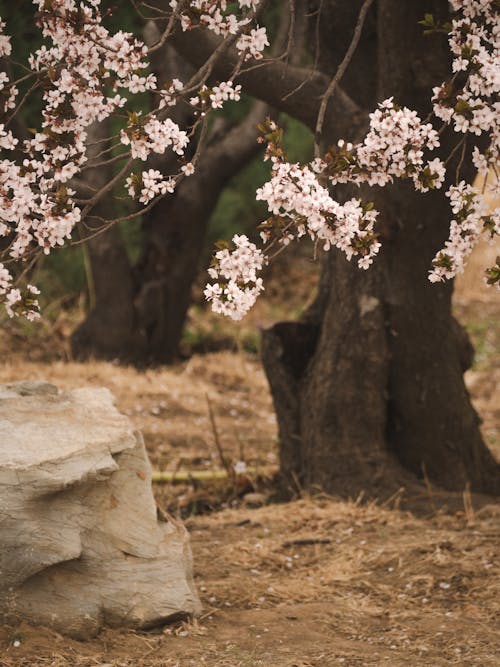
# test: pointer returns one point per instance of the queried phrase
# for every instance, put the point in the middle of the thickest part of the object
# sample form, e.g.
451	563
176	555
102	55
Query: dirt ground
319	583
315	582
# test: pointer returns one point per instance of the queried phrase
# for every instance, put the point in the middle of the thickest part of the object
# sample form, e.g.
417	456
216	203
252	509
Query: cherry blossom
188	169
153	136
217	17
300	205
84	74
253	43
15	301
149	184
223	92
393	148
216	96
5	45
470	100
237	284
470	220
170	93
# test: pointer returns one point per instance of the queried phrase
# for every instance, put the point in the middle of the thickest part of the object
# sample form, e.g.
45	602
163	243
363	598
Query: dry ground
316	583
313	583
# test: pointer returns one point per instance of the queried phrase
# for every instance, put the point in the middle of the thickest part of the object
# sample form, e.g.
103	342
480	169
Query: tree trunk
378	377
109	330
176	232
139	313
373	376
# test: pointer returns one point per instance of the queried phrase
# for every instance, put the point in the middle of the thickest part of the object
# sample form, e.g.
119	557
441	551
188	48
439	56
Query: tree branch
293	90
239	142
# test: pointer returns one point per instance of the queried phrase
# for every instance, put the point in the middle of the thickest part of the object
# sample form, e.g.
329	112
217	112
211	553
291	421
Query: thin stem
455	149
105	189
339	74
462	157
166	33
103	163
21	103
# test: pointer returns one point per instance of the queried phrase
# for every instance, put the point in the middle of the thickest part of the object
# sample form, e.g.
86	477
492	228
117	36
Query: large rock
80	542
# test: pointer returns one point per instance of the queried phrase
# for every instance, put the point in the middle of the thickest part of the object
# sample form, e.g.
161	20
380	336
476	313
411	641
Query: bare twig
462	158
306	541
429	487
215	432
468	507
170	25
89	276
339	74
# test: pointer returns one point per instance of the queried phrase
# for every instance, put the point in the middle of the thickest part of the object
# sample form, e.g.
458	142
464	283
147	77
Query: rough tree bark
382	366
372	377
109	330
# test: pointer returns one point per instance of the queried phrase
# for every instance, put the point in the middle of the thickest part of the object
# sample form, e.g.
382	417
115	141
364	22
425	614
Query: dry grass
169	405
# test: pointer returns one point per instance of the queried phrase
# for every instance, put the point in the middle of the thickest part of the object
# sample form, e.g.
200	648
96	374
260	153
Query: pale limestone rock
80	542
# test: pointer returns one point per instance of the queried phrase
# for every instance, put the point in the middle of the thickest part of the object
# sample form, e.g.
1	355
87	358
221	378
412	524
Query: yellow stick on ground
180	476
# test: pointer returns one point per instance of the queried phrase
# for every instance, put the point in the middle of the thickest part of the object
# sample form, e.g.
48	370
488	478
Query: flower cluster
219	17
76	71
170	93
82	61
8	91
215	97
85	66
470	220
146	186
393	148
235	273
5	45
152	136
300	205
253	43
84	73
16	302
223	92
470	100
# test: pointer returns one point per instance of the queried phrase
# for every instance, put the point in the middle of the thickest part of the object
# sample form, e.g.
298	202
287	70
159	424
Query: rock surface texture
80	542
